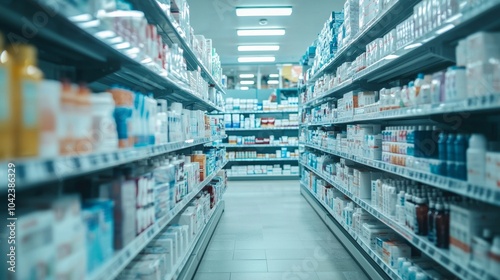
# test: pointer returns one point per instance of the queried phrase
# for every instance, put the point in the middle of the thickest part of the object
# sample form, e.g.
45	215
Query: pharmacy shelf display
109	59
263	129
122	258
262	159
439	255
172	33
263	177
260	112
382	60
354	243
31	172
430	51
481	193
259	146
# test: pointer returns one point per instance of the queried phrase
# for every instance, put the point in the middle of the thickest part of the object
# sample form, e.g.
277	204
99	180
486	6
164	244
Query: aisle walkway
269	232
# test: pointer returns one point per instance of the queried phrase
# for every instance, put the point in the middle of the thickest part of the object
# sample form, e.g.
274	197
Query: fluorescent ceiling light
247	76
247	82
258	48
244	88
274	76
261	32
89	24
273	82
256	59
265	11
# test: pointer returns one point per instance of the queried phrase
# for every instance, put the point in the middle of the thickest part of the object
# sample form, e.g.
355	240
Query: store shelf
481	193
264	177
376	28
262	159
353	243
35	171
434	51
259	146
191	264
208	228
122	258
62	42
172	33
470	105
260	129
441	256
262	112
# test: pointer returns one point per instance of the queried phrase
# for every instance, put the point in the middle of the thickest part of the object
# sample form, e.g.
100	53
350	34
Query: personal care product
26	77
480	249
7	137
50	118
476	159
494	257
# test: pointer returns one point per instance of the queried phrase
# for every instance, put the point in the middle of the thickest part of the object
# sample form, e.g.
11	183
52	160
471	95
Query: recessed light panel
258	48
264	11
256	59
261	32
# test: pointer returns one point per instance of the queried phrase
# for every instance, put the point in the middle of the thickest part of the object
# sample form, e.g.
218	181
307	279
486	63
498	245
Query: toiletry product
480	249
494	256
25	93
7	138
431	230
476	158
50	118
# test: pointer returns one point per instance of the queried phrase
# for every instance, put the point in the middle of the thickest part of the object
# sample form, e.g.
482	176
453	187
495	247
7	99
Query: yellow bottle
6	126
25	82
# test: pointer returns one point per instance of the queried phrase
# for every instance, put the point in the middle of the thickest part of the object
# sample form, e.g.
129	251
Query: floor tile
249	255
269	231
212	276
221	245
274	276
218	255
233	266
286	254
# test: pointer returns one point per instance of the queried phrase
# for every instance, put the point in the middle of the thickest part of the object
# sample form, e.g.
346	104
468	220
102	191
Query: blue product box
105	209
94	252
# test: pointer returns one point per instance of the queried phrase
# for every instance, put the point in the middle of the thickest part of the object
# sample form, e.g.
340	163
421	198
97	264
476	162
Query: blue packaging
94	252
105	210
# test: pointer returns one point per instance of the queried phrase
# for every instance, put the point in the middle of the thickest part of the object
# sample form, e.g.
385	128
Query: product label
29	105
4	94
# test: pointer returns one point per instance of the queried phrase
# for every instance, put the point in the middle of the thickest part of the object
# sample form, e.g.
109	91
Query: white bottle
494	257
480	249
476	159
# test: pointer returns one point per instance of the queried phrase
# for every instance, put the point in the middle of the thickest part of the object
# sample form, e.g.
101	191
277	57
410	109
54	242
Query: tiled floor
269	232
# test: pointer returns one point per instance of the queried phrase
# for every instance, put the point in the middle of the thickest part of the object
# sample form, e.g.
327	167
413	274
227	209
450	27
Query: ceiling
216	19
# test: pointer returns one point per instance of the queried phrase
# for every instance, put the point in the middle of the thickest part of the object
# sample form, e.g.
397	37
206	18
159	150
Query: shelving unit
32	172
263	129
421	243
259	146
122	258
72	44
369	259
261	112
261	159
64	40
430	53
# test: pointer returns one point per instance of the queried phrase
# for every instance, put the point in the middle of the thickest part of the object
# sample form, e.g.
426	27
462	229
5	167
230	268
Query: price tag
105	158
30	171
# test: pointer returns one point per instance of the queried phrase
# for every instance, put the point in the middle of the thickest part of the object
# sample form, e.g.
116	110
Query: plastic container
6	104
104	133
476	159
26	77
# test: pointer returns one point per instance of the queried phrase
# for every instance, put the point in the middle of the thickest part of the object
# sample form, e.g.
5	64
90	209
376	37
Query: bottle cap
477	141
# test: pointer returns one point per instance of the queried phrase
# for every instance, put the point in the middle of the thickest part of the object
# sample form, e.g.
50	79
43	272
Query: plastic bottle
25	82
450	155
122	114
6	104
412	94
425	90
418	85
404	270
420	276
476	158
431	230
412	273
438	225
408	206
460	156
494	256
422	211
83	122
50	118
442	154
104	134
480	249
162	122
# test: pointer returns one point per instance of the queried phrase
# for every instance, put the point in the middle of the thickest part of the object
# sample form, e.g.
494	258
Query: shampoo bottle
25	82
